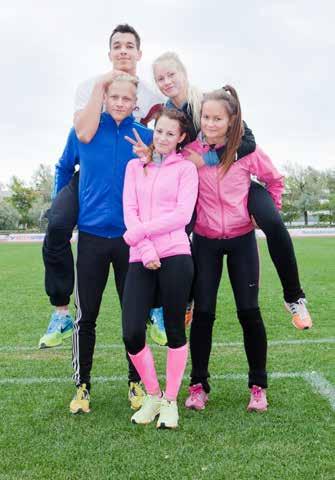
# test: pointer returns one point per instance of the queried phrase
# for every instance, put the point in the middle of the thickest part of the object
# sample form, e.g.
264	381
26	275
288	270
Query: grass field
295	439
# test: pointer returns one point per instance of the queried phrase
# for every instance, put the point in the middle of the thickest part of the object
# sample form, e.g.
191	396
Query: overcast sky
278	54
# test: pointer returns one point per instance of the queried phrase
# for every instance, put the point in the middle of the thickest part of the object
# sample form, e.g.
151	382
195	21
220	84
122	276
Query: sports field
295	439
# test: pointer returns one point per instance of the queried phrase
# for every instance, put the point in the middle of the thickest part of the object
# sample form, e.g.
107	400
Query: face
171	82
120	100
124	54
215	121
167	135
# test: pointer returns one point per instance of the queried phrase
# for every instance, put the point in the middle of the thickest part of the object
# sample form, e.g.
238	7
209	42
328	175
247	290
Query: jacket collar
107	119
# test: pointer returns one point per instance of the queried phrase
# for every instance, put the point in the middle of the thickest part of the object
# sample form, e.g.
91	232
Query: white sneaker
301	318
149	410
168	416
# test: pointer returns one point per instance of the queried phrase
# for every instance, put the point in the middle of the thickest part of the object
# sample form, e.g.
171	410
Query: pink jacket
157	206
222	210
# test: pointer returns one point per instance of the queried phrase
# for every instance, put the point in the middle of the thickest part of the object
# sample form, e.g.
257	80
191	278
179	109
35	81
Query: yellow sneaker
81	400
135	395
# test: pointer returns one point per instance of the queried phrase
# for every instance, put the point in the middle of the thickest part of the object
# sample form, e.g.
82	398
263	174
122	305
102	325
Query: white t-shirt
147	98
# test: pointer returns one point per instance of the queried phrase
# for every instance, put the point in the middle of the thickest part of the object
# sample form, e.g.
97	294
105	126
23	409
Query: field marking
305	341
319	384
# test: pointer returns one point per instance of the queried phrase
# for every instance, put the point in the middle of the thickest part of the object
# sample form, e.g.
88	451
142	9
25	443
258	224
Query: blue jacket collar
109	120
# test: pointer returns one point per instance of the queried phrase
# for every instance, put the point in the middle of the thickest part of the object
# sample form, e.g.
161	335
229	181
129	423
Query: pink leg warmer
145	365
175	368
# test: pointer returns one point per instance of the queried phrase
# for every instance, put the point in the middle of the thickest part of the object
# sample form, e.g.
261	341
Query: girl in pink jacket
159	199
223	227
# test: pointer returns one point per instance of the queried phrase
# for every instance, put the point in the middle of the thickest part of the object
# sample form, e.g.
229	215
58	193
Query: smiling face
167	135
120	99
171	81
124	53
215	121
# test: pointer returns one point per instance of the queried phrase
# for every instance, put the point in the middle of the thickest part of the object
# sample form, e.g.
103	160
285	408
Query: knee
249	317
134	341
176	337
203	318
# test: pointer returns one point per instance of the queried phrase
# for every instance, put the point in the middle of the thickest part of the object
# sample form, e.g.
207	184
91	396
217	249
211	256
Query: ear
182	137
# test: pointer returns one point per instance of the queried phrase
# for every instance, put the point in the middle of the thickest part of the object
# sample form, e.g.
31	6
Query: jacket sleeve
248	143
135	234
182	214
262	166
65	167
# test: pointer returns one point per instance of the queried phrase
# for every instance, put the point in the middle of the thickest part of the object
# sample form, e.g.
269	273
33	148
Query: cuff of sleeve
149	255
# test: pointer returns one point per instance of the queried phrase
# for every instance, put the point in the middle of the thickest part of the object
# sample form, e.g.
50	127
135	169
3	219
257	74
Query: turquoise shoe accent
60	328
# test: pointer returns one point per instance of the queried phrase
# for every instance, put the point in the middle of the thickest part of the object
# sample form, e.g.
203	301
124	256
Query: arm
248	143
65	167
87	112
131	219
262	166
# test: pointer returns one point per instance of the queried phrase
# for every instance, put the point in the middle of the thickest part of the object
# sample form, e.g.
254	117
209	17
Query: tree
9	216
305	188
21	199
42	182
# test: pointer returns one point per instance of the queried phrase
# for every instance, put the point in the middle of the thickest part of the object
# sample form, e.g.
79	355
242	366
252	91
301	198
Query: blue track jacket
103	164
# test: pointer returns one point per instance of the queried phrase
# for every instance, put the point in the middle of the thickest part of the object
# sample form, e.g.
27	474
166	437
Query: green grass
39	439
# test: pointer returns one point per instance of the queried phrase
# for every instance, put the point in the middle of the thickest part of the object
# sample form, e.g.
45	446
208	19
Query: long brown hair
184	127
229	97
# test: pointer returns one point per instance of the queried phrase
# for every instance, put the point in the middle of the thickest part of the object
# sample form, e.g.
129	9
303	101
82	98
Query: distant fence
294	232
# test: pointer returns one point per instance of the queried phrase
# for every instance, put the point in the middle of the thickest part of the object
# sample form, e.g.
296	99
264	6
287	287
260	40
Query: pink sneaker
197	398
258	402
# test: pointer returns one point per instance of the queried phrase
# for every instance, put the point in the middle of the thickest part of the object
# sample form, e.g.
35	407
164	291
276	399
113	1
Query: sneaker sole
301	328
257	410
146	423
162	426
79	411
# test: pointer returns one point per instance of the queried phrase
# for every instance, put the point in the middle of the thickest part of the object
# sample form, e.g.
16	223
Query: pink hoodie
222	210
158	204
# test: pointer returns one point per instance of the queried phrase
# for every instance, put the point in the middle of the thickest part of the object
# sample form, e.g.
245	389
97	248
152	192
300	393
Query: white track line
316	380
124	378
321	386
30	348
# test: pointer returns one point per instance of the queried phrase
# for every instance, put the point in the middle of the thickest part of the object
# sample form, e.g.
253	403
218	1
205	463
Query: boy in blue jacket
101	226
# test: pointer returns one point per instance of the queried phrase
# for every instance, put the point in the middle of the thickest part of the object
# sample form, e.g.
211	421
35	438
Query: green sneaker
156	326
60	328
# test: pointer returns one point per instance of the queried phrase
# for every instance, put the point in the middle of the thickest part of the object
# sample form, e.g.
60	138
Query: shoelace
257	393
299	307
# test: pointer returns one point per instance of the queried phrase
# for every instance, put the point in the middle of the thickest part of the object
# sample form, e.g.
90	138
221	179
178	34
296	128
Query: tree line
307	191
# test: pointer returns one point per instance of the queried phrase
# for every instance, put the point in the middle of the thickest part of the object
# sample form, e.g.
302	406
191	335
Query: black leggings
95	254
243	270
173	282
262	208
57	252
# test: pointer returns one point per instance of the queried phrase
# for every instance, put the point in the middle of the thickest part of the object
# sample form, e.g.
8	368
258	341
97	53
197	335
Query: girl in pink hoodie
224	227
159	198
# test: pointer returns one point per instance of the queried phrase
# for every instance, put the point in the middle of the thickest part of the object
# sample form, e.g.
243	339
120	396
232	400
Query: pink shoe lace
197	398
258	400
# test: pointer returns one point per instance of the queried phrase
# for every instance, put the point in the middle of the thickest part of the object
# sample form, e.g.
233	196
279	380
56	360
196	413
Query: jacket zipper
220	202
152	188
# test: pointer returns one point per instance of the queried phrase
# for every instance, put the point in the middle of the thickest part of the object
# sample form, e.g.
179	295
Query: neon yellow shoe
168	414
135	395
149	410
81	400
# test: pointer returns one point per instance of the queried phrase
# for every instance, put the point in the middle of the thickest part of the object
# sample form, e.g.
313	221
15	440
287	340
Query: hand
154	265
109	77
194	157
139	147
254	222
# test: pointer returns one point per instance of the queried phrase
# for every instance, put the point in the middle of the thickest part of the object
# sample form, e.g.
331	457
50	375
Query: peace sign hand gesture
139	147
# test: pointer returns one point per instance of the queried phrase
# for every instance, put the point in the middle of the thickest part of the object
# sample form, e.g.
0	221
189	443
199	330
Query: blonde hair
124	77
193	94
